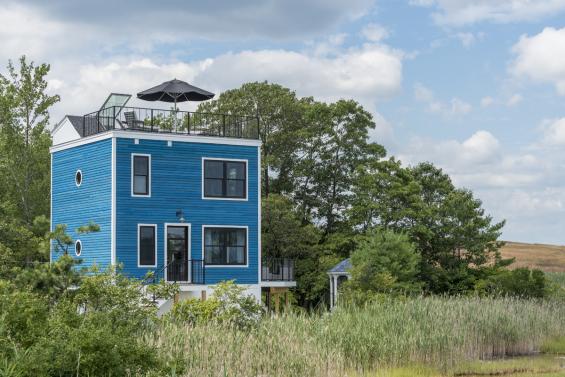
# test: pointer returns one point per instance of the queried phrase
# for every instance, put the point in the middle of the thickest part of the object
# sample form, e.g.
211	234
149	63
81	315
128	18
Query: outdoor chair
132	121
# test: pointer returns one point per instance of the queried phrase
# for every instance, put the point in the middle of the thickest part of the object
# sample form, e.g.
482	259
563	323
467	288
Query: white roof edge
58	125
155	136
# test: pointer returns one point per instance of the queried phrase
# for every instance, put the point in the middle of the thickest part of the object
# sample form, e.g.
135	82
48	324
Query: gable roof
342	267
76	121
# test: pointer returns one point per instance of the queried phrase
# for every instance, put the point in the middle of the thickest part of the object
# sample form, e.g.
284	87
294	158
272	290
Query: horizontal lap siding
176	183
77	206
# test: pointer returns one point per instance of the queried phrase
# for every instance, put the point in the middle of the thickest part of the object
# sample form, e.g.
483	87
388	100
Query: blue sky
477	87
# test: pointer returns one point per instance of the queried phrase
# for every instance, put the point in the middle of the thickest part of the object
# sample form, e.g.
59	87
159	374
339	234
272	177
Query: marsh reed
438	331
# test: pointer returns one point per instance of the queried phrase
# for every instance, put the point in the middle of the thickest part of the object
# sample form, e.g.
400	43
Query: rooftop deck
170	121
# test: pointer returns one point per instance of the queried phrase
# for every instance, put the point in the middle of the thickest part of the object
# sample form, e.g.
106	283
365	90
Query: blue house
177	193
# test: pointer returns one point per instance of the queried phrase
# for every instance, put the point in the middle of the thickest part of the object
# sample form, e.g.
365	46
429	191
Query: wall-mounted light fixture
180	215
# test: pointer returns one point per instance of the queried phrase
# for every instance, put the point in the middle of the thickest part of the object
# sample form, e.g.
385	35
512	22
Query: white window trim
139	265
148	195
79	242
81	178
246	178
189	251
227	265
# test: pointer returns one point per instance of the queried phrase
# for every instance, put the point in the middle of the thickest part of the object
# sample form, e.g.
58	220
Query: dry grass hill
549	258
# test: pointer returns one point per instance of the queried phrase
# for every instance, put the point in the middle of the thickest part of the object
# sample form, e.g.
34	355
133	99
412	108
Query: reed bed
436	331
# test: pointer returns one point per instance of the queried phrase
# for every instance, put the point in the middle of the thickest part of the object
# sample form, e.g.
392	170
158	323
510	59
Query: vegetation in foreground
434	332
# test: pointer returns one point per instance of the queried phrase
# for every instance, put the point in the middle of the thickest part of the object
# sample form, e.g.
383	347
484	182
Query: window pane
141	165
140	184
225	246
236	255
213	187
235	170
214	255
235	189
147	245
214	169
240	237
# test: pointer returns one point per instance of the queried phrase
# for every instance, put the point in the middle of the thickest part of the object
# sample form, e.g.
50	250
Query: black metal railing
277	269
170	121
192	271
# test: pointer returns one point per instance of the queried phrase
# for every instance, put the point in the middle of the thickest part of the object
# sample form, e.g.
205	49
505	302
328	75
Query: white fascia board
155	136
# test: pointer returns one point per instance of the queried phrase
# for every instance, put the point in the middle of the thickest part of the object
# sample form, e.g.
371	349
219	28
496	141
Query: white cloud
147	21
541	58
514	100
367	74
455	156
423	93
468	39
375	33
487	101
455	106
554	132
465	12
459	106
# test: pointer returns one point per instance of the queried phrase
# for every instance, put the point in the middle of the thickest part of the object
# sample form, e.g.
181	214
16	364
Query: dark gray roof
76	121
342	266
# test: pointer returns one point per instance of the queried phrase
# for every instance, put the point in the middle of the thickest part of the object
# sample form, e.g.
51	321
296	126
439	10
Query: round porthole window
78	178
78	248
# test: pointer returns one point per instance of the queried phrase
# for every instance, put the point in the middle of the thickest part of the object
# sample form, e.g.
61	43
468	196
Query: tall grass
433	330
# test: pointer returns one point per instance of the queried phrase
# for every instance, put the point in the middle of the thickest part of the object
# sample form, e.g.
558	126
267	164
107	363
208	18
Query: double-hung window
147	250
141	175
225	246
225	179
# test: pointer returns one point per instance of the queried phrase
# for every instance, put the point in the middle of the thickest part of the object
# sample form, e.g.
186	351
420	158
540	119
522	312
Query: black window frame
225	179
147	176
225	246
139	245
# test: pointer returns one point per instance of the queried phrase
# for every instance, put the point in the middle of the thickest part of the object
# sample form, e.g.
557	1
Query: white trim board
226	159
259	208
113	208
246	265
133	155
139	265
154	136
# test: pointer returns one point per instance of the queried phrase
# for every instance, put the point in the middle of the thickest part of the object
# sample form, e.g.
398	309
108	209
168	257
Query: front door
177	252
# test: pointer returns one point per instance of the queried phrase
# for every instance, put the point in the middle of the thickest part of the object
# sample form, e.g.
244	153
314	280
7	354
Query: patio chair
132	121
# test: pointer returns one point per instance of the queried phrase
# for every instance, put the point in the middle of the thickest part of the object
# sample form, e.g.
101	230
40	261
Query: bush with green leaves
56	321
228	305
385	262
521	282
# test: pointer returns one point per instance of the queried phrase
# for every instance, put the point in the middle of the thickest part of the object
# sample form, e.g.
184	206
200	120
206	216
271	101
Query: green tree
337	144
25	140
279	113
385	262
284	235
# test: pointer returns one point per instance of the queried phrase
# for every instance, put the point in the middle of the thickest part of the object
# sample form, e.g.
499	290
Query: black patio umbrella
175	91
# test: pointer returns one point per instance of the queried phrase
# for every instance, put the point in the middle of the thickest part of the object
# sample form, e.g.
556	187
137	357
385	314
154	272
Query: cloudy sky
477	87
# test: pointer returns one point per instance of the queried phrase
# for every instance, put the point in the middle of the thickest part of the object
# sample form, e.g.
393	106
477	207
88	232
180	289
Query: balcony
170	122
277	270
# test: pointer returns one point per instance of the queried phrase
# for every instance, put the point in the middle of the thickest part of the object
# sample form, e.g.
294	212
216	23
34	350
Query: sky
476	87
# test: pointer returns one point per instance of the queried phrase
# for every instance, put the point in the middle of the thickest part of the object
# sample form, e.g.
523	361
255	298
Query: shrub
521	282
93	328
235	308
385	262
228	305
194	311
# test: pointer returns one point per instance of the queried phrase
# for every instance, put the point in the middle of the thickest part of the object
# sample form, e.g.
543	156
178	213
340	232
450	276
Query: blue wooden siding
76	206
176	183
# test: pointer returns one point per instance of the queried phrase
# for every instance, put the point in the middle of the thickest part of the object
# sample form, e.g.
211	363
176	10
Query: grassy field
548	258
412	337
